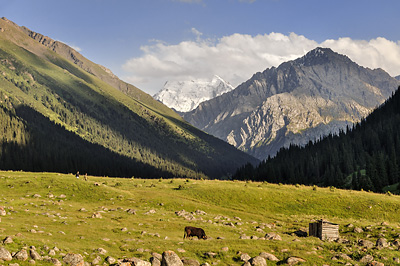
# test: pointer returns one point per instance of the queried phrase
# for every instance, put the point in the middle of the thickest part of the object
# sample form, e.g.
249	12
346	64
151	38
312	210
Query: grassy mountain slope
365	157
86	122
48	210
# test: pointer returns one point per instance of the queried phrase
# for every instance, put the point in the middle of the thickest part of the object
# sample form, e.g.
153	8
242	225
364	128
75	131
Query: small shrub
118	184
332	188
314	188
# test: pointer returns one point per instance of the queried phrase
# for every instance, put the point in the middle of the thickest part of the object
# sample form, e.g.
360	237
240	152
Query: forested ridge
365	156
56	116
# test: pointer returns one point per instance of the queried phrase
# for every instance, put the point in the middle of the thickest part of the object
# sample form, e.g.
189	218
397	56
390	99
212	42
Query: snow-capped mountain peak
184	96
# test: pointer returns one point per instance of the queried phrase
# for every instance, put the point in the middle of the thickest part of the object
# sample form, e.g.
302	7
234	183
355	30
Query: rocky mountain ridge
299	101
184	96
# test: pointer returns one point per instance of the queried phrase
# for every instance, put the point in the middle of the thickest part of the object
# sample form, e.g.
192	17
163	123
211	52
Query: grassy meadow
48	210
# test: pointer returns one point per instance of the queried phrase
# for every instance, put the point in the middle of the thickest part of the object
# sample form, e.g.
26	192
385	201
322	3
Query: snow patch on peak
184	96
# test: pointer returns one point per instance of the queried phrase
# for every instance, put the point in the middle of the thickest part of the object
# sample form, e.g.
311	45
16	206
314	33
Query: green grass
59	222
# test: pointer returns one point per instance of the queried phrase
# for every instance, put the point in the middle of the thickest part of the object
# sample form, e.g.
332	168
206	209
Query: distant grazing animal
191	231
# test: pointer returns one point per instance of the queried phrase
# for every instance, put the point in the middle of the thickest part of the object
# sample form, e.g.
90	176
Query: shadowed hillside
89	122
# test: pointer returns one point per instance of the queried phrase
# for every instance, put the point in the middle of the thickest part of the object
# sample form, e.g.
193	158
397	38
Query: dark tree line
365	156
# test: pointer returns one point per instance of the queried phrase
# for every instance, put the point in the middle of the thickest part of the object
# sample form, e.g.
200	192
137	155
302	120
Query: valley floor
120	218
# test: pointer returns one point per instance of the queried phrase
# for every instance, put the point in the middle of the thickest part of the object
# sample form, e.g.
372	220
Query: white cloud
237	57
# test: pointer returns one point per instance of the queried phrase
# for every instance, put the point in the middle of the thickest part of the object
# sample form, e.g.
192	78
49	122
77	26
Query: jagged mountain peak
298	101
320	56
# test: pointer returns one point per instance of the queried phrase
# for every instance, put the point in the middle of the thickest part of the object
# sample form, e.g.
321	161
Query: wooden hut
324	230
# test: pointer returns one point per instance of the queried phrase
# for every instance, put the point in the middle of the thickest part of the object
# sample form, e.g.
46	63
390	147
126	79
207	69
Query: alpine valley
61	112
297	102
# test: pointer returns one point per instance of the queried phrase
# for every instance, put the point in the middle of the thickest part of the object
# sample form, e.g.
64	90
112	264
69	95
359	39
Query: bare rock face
169	258
301	100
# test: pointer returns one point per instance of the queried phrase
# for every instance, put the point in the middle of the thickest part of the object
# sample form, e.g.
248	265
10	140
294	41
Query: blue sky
147	42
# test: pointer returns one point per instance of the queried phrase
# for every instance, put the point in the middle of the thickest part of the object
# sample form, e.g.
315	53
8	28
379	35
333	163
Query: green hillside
364	157
136	217
67	116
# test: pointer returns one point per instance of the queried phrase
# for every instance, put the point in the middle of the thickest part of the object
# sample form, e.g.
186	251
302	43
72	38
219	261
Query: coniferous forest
365	156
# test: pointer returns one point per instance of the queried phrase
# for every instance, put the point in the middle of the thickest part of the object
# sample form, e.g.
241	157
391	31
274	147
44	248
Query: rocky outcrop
299	101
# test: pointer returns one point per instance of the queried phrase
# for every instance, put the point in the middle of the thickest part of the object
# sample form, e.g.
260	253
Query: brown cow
191	231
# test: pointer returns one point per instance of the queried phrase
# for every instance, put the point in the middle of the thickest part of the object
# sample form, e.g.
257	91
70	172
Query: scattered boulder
101	251
3	211
190	262
21	255
73	259
5	254
97	215
273	236
382	243
96	260
55	262
155	261
157	256
110	260
131	211
294	260
152	211
366	259
365	243
268	256
245	257
139	262
169	258
375	263
358	230
258	261
34	255
8	240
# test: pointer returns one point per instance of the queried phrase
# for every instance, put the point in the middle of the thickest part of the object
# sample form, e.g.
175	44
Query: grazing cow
191	231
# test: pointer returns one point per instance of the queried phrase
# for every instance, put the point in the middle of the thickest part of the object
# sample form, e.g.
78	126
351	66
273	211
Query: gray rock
294	260
367	258
382	243
268	256
73	259
55	262
169	258
273	236
375	263
139	262
8	240
258	261
110	260
245	257
21	255
190	262
358	230
157	255
96	260
155	261
35	255
365	243
5	254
